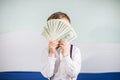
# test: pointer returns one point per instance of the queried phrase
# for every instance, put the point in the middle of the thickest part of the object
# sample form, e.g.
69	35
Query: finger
53	45
62	43
62	46
62	40
53	42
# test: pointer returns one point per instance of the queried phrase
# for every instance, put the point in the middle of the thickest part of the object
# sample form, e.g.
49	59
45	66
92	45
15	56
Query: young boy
64	60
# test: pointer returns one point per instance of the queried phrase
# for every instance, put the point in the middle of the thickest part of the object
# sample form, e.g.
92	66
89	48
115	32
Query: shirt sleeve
73	66
48	67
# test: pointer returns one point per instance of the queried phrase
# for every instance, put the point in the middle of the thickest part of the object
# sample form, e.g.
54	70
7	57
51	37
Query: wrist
65	54
51	54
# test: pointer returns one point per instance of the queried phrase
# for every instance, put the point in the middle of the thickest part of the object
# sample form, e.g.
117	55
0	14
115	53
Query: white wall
97	23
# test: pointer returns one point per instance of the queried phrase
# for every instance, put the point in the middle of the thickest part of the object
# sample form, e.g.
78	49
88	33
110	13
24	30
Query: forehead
65	19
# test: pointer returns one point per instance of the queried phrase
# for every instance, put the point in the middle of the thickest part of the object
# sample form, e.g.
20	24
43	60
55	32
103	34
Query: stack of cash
57	29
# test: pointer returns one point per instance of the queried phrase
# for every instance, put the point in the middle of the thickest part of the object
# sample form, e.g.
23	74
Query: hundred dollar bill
57	29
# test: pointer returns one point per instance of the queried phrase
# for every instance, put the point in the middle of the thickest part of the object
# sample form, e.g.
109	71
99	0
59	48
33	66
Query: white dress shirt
62	68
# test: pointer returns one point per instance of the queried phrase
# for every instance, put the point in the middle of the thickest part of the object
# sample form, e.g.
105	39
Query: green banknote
57	29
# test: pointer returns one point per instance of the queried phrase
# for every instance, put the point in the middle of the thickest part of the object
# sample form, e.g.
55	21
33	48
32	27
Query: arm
48	68
73	65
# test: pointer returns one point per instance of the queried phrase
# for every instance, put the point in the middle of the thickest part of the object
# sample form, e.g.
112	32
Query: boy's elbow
47	74
74	74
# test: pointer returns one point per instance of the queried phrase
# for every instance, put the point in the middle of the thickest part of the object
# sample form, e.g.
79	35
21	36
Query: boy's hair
59	15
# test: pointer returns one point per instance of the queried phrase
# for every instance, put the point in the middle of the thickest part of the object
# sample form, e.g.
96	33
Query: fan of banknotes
57	29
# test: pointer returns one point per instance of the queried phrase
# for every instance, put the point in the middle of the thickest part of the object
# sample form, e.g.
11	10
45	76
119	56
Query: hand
52	48
64	46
